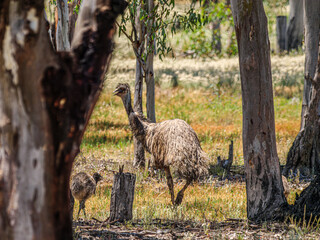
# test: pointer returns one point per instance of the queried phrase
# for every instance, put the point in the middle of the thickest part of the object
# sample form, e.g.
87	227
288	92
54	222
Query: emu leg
181	193
170	183
84	210
81	206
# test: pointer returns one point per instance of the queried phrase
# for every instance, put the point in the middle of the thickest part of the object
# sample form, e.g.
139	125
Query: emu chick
83	186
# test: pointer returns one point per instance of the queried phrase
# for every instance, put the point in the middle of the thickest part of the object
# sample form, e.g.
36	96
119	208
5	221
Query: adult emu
172	143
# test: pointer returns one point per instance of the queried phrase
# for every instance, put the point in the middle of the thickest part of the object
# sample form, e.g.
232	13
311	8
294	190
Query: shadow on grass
105	124
98	139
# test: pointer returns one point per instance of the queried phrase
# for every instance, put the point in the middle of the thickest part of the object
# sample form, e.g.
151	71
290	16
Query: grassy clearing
209	99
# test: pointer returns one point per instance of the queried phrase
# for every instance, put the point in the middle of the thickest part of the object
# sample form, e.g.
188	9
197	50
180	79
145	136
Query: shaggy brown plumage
83	186
172	143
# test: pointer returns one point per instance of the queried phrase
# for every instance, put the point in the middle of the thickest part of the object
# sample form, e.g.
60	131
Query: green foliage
278	6
77	6
162	20
205	39
75	9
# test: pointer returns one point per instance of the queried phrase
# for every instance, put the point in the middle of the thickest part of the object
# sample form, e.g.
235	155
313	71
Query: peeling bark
44	107
62	30
72	18
263	179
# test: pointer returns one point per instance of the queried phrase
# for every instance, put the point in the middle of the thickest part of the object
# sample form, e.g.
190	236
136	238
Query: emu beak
115	92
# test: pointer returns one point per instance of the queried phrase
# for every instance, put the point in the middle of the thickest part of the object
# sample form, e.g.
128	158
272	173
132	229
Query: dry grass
152	201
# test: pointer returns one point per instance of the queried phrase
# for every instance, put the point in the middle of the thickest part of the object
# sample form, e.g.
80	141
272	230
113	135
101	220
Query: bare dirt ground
162	229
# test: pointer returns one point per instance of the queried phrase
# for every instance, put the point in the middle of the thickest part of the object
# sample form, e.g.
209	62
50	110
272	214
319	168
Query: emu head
97	177
122	90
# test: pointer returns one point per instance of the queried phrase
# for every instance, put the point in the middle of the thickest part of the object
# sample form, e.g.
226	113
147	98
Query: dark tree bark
307	205
311	23
122	196
295	26
263	179
46	99
304	152
281	33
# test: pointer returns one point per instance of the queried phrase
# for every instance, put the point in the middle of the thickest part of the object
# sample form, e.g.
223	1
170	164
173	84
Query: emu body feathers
174	143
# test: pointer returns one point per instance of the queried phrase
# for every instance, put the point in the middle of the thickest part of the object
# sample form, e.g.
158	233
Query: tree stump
122	196
226	163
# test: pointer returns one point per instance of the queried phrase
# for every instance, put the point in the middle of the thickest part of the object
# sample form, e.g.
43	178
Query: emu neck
136	125
127	104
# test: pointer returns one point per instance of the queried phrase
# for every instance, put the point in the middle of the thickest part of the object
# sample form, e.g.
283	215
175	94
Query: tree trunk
139	156
215	25
122	197
62	31
311	18
216	36
307	205
281	33
45	101
263	179
304	152
151	112
295	26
